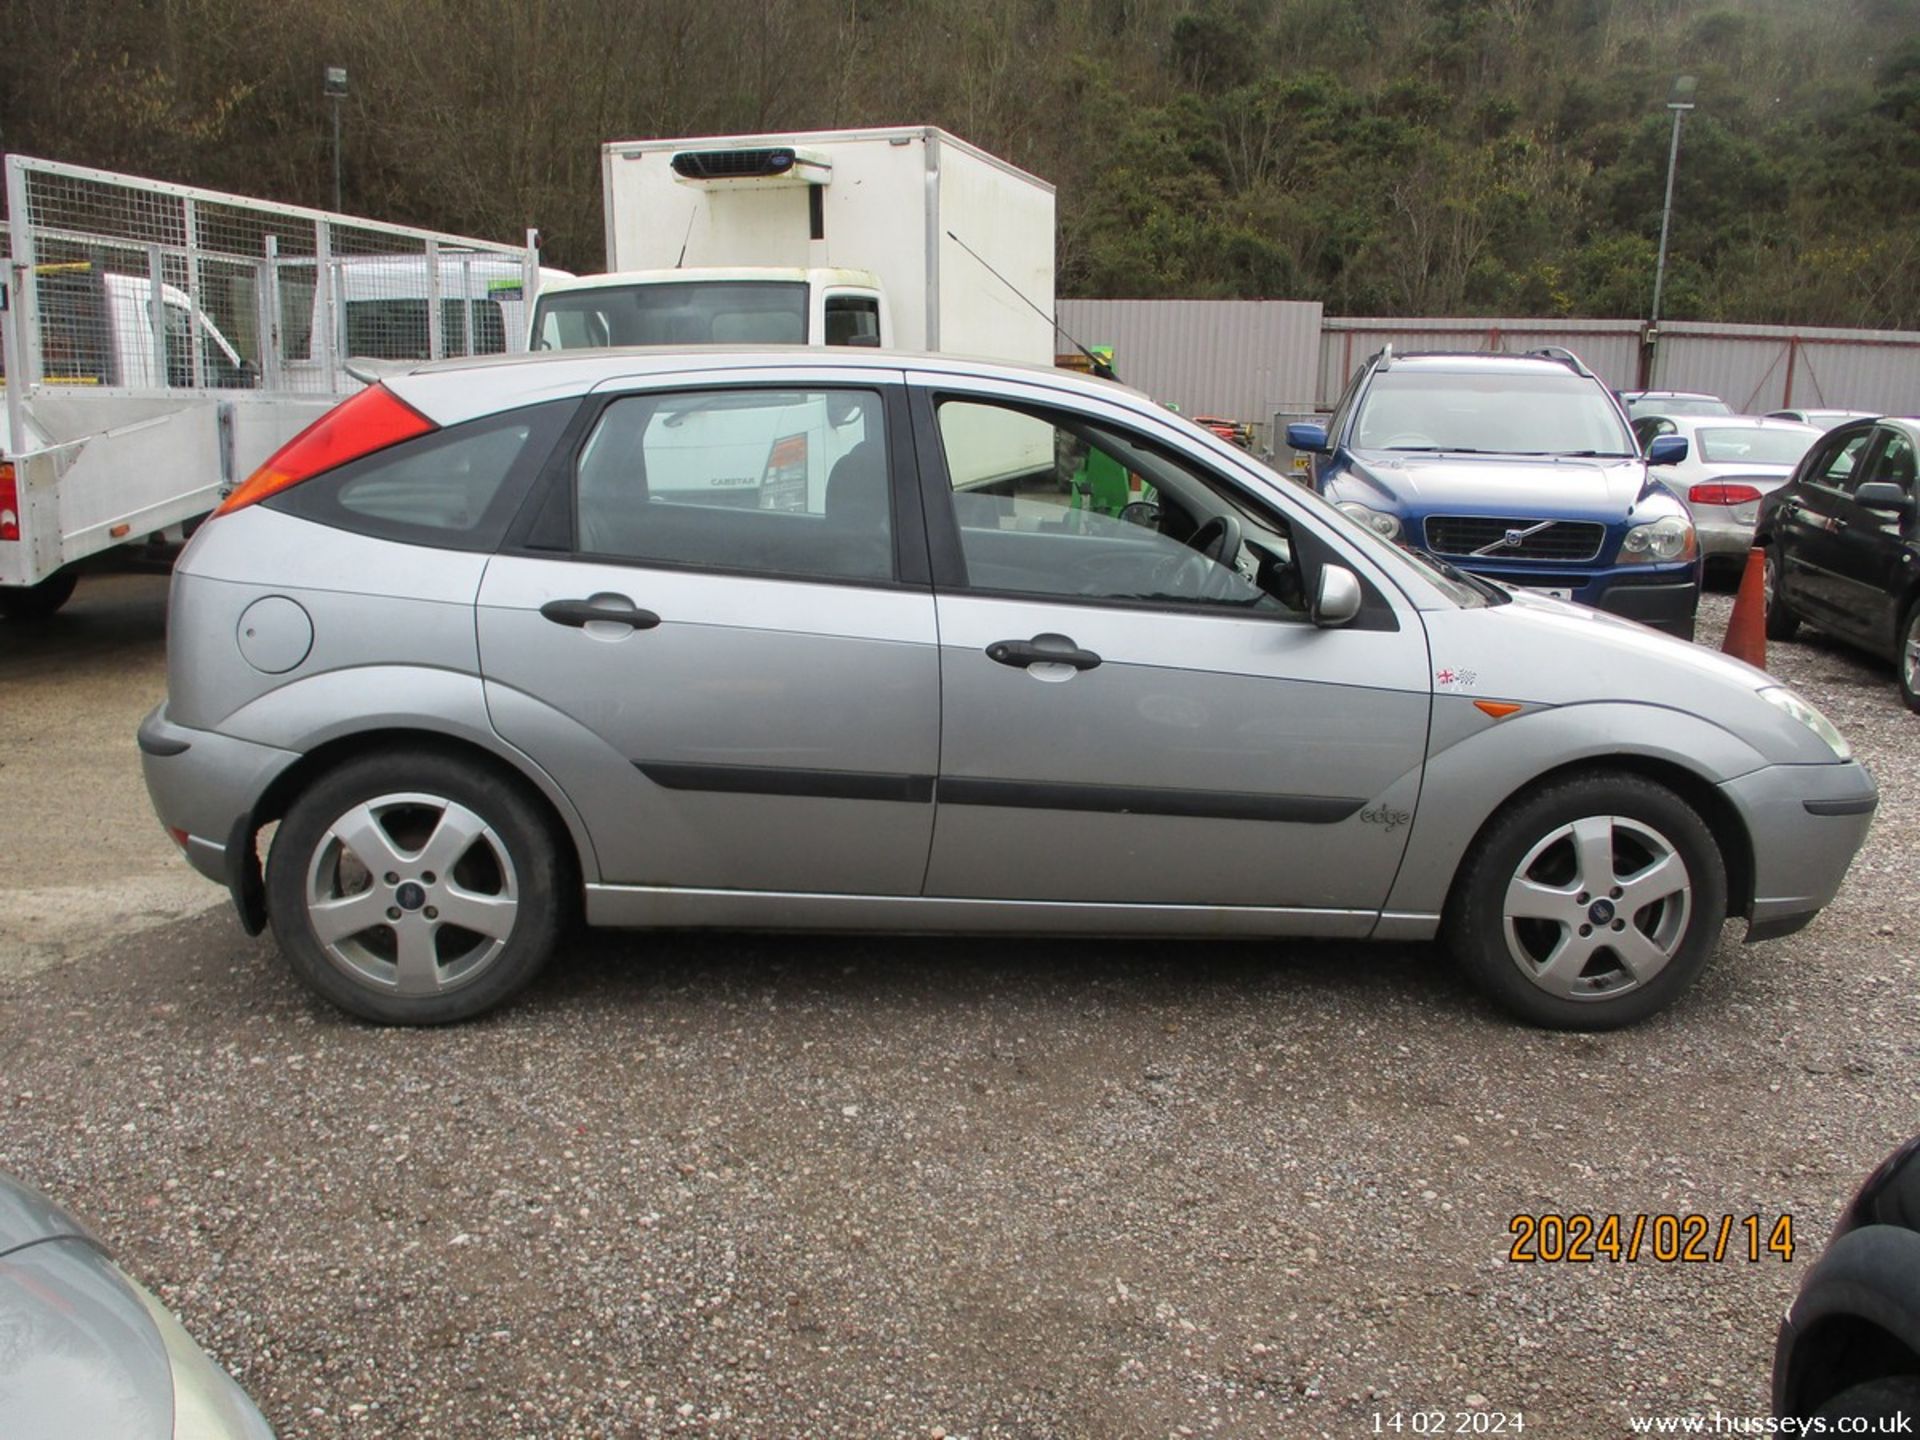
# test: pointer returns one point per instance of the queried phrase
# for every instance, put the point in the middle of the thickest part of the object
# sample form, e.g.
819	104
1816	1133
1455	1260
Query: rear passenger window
455	488
782	482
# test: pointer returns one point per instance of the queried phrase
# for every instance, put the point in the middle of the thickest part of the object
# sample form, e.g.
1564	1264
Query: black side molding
774	780
1147	800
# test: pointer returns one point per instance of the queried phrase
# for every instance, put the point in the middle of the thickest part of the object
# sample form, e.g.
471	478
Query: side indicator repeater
1498	709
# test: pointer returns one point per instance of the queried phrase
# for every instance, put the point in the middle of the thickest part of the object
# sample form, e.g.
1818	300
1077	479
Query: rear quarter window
457	488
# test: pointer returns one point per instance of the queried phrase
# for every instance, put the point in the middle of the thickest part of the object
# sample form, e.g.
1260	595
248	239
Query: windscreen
1743	445
702	312
1556	413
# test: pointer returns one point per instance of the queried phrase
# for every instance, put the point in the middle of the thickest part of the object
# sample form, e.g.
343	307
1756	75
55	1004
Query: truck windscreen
691	312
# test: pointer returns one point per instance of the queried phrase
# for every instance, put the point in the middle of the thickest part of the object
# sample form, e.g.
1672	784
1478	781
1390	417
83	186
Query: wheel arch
1688	754
563	822
1722	818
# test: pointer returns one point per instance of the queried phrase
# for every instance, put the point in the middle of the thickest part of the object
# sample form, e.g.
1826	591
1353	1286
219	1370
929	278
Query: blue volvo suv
1519	468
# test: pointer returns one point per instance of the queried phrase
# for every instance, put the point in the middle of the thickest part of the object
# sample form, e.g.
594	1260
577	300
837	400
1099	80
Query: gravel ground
782	1187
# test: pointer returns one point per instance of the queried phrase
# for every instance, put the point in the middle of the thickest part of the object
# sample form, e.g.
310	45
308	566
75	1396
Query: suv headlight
1386	526
1659	542
1782	698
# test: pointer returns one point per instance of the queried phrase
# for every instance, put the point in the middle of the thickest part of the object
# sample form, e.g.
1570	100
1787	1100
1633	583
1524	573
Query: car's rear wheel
1782	623
1590	902
1909	657
413	888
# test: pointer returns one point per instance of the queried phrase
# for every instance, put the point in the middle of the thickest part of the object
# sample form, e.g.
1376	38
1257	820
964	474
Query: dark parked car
1849	1348
1843	545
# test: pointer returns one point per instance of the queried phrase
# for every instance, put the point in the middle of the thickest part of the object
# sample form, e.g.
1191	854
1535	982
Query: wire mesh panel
138	284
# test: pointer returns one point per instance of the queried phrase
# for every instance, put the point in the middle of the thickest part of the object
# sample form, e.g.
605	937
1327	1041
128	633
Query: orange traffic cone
1747	628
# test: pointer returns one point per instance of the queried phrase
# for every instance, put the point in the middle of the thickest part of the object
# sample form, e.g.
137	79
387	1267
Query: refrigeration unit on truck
160	341
906	238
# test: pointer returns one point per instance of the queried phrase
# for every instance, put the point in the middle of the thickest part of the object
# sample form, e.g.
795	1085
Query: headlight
1658	542
1782	698
1386	526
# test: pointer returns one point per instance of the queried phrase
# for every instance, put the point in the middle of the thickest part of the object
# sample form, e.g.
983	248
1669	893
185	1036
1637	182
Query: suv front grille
1574	541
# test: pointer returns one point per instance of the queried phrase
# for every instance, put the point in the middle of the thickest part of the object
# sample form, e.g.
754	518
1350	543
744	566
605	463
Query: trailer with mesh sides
160	341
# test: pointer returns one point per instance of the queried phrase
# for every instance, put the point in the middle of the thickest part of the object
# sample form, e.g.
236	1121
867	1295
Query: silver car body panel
720	746
1207	760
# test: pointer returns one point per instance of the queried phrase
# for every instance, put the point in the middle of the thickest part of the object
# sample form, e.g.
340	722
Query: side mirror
1884	495
1667	450
1307	436
1144	513
1339	597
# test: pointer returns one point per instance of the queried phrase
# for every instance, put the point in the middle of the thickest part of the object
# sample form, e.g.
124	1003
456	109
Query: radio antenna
1100	367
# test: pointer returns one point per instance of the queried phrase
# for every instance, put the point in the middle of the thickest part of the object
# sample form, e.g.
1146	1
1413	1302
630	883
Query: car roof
449	391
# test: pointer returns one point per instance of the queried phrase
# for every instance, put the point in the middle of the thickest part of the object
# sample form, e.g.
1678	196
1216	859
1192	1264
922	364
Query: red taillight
9	504
357	426
1723	494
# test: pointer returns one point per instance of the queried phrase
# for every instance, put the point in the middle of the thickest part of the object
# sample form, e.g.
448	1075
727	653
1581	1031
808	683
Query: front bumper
1664	600
205	786
1806	822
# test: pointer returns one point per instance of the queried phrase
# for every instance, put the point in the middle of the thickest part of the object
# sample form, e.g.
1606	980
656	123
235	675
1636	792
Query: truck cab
737	305
103	329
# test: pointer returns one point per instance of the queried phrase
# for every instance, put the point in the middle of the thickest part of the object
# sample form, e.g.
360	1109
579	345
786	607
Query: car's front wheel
1589	902
413	888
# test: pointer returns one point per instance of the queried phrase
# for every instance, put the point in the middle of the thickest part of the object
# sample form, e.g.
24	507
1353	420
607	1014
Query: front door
1135	705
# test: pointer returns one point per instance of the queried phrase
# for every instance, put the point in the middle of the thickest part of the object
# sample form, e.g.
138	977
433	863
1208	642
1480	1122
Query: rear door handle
1041	650
599	610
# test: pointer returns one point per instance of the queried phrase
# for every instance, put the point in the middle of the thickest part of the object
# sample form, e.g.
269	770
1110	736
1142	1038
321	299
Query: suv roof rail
1564	356
1382	358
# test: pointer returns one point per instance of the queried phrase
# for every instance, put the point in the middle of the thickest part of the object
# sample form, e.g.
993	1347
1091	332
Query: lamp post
336	91
1679	101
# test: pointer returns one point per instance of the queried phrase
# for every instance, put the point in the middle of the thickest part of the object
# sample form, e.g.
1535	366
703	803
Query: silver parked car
1732	461
791	640
85	1351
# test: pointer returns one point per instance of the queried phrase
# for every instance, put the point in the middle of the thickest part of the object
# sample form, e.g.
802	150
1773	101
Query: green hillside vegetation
1382	156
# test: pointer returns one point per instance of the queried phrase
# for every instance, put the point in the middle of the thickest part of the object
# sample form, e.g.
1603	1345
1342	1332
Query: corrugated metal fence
1243	359
1255	359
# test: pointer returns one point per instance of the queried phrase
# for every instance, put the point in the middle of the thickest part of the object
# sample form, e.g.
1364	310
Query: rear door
709	636
1873	562
1136	708
1810	524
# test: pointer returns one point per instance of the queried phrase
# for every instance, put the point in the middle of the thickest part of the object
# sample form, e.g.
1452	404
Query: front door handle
600	609
1041	650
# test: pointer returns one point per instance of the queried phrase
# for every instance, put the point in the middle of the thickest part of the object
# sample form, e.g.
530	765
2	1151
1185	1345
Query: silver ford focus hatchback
793	640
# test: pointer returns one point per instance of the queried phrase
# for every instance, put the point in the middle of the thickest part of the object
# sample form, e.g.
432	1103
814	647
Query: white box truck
907	238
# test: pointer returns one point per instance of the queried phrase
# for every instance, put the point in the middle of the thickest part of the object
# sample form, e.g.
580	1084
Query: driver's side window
1051	504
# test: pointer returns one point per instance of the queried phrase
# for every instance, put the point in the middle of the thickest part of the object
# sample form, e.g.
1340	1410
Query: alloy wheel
1597	907
413	893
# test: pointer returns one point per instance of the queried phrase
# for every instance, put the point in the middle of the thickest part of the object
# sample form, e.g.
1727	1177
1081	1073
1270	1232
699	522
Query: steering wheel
1218	539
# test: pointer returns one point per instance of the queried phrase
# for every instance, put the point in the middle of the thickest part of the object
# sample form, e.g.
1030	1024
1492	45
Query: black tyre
37	602
413	888
1875	1400
1589	903
1907	661
1782	623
